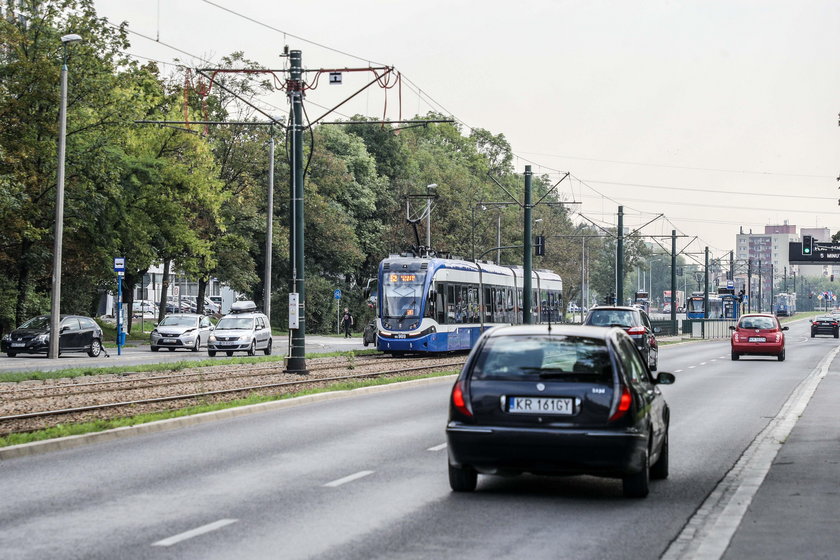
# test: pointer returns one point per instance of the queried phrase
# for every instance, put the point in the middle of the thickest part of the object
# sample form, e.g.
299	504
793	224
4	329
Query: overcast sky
717	114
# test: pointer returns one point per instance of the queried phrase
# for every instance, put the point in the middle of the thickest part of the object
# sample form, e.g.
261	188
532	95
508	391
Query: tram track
115	400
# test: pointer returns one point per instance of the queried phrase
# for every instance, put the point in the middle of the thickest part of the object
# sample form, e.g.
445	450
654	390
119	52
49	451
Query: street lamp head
432	186
71	38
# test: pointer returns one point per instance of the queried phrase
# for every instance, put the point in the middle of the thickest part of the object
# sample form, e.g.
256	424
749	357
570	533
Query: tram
694	307
784	304
429	305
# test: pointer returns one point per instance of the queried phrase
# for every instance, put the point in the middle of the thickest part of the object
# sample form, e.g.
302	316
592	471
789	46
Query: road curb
70	442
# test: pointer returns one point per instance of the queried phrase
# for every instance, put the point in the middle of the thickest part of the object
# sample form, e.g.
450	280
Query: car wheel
229	352
267	350
11	354
155	348
365	343
782	356
95	348
638	485
211	353
836	334
197	344
659	470
735	356
462	480
813	334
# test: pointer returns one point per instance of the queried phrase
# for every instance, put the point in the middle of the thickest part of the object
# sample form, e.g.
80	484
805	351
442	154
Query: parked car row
76	334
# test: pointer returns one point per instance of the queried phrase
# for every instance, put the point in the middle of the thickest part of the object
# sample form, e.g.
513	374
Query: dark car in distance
635	322
825	324
558	400
77	334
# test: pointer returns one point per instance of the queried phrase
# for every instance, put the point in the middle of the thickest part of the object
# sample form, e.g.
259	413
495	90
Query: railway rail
102	400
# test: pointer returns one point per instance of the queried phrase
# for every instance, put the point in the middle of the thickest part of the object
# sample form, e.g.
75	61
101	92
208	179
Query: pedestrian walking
347	322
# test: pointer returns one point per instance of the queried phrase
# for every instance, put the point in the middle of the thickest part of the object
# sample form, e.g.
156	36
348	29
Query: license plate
228	343
399	336
540	405
18	344
757	339
169	340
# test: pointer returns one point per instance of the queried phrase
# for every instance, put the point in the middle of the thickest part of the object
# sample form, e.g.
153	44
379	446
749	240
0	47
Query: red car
758	334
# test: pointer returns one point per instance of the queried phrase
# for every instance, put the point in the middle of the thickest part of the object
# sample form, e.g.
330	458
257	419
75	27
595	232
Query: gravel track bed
63	387
139	387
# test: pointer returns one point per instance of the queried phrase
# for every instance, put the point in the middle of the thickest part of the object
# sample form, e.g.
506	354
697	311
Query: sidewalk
796	511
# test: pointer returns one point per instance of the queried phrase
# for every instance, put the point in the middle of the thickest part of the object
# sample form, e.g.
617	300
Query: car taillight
624	402
636	330
778	336
460	400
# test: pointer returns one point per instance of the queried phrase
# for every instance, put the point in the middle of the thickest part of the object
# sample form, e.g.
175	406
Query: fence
708	328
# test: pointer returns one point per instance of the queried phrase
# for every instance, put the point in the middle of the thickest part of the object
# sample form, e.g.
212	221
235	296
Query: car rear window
757	323
611	317
569	358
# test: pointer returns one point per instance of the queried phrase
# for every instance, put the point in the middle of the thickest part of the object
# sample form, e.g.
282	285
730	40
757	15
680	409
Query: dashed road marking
437	447
691	367
195	532
677	370
702	363
346	479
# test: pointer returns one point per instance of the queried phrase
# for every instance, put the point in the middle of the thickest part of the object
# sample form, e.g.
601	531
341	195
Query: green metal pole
296	361
526	281
619	260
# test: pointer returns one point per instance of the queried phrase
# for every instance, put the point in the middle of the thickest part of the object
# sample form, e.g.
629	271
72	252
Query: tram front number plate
540	405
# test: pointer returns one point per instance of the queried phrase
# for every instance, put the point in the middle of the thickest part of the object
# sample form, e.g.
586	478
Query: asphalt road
138	355
365	477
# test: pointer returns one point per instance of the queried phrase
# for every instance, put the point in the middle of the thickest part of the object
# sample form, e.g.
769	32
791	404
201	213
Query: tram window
450	303
430	303
488	305
440	307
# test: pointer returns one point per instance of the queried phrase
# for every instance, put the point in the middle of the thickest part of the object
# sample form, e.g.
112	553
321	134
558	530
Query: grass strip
166	366
63	430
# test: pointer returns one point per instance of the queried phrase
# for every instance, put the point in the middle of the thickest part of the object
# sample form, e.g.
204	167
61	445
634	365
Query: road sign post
337	297
119	268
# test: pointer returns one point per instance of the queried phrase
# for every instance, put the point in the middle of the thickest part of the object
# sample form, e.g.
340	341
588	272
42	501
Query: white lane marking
702	363
195	532
677	370
437	447
714	359
710	530
691	367
346	479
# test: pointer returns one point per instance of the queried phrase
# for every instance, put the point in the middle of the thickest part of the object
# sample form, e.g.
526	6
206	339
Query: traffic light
539	245
807	245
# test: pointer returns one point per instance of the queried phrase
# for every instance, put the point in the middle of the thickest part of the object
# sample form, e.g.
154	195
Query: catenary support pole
619	259
296	361
269	230
706	286
526	281
674	280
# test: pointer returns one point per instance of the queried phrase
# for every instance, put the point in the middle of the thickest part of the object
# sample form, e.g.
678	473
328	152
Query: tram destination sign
822	253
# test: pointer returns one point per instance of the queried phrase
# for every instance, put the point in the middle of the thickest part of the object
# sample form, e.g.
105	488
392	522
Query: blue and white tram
443	305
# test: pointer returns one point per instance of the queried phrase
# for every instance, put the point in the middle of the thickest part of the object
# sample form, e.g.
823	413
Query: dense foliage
197	198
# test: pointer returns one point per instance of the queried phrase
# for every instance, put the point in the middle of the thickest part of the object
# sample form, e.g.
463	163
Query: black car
825	324
558	400
78	334
635	322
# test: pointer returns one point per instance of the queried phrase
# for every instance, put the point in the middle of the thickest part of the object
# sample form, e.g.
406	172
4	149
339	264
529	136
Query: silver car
182	330
244	329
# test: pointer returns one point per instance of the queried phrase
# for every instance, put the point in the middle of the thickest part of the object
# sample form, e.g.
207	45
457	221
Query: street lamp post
55	304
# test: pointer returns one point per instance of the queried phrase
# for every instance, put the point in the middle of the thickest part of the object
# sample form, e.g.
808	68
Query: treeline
198	198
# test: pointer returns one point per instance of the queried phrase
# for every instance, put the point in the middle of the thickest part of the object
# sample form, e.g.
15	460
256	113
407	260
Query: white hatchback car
244	329
181	330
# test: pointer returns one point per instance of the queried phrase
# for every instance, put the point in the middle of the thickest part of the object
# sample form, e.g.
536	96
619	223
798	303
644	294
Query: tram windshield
402	294
695	305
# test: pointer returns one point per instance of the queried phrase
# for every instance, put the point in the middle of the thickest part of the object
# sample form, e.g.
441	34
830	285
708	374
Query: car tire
462	479
229	352
11	354
155	348
813	334
95	348
836	334
735	356
267	350
252	350
211	353
638	485
782	356
197	344
365	343
171	349
659	470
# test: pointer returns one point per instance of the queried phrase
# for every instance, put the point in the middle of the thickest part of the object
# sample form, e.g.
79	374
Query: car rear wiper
545	372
